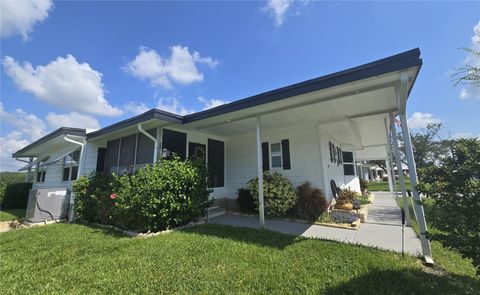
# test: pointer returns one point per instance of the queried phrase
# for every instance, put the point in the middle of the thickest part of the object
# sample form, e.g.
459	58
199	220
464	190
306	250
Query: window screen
145	147
111	157
348	164
175	142
73	176
127	153
276	151
66	174
216	163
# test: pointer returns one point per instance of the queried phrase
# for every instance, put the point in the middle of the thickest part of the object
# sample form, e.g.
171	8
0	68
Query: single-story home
313	131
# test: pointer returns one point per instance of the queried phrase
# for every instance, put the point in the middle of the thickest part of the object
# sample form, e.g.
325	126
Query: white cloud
278	9
172	105
180	67
19	17
72	119
421	120
8	145
135	107
211	103
26	123
471	91
64	83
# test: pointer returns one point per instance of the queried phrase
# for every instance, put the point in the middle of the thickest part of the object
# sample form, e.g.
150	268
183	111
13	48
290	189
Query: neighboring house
370	172
312	131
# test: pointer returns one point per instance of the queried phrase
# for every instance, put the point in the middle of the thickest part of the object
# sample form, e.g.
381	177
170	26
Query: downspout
71	216
155	149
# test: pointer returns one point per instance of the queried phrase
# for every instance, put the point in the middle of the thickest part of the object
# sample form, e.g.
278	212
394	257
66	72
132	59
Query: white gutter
71	216
155	149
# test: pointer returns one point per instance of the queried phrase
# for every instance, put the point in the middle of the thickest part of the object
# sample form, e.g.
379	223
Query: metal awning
60	156
33	163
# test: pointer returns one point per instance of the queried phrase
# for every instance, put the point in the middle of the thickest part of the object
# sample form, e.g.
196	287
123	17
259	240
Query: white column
261	211
417	204
390	182
401	177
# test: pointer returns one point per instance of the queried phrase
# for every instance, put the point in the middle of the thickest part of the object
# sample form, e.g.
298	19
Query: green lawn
446	258
63	258
11	214
383	185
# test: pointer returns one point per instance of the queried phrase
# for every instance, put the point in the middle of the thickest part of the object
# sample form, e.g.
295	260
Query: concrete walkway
383	228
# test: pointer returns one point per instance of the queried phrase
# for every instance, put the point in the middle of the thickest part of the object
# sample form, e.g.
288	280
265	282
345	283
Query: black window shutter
216	163
286	154
265	157
101	159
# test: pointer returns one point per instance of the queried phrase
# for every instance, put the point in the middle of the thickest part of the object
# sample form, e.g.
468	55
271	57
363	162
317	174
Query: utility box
47	204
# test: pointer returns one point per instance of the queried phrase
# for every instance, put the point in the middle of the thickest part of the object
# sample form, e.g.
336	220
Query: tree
454	183
468	74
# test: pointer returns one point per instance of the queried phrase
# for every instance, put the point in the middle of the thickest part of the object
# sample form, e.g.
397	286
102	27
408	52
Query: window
276	155
70	166
348	164
41	176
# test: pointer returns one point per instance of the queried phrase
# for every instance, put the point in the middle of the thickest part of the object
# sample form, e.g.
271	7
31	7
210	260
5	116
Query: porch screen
175	142
216	163
111	156
127	154
145	147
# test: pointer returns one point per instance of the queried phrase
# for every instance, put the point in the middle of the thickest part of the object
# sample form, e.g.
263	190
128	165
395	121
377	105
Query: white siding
90	161
304	157
54	172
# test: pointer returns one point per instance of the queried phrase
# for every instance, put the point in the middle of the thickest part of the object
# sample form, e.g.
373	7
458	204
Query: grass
76	259
11	214
447	259
383	185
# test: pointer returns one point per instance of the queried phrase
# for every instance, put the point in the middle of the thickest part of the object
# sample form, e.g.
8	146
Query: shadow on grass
407	281
264	238
104	229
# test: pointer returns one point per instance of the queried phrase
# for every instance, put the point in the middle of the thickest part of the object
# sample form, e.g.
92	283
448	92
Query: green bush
245	201
92	198
16	198
311	202
363	185
16	195
279	194
162	196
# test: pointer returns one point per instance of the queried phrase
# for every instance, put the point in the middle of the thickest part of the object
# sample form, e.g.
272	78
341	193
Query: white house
313	131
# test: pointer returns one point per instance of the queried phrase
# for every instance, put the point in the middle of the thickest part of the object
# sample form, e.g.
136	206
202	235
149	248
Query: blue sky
125	57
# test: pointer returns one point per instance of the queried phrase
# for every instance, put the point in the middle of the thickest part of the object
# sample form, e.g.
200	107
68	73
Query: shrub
363	185
345	199
245	201
385	178
279	194
453	182
15	195
162	196
311	202
92	198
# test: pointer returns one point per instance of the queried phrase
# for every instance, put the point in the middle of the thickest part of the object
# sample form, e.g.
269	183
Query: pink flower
113	196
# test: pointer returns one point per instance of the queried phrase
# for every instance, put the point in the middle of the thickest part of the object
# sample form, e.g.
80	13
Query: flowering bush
154	198
93	201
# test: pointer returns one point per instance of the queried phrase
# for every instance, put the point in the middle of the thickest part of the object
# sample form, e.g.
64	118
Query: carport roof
52	135
393	63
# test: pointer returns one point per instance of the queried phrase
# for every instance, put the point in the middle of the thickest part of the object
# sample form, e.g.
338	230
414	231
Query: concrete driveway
383	228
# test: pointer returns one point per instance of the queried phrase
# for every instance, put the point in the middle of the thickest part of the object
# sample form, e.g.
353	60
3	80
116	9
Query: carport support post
417	203
27	175
400	171
261	212
390	181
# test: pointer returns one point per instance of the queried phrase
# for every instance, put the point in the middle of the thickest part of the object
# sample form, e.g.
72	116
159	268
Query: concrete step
214	212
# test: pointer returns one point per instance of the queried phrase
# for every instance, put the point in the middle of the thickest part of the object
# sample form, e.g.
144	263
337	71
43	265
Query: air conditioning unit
47	204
